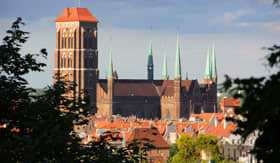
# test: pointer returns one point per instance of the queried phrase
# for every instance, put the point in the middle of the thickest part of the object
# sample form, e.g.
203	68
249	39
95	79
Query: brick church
76	57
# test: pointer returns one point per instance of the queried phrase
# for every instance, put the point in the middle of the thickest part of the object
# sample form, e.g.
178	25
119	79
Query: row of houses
161	134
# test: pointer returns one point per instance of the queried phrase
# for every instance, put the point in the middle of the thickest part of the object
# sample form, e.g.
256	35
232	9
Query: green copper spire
110	71
150	57
207	74
213	66
164	69
178	61
150	66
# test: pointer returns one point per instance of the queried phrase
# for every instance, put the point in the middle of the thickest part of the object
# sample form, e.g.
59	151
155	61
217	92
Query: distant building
159	148
228	105
76	58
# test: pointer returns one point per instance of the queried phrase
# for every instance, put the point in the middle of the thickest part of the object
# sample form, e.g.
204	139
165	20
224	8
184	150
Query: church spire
177	73
150	65
164	69
213	66
110	71
207	74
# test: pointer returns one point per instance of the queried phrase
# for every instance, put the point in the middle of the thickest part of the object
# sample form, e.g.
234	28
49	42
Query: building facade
76	58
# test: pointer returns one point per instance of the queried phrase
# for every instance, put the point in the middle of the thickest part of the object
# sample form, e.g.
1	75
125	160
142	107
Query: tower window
62	42
69	42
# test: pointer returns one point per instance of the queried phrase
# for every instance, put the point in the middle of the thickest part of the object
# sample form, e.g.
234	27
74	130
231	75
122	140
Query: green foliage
138	150
39	127
102	151
260	109
190	149
173	151
210	145
187	150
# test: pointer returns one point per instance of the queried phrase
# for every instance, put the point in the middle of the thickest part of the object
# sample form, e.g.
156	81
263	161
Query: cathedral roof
127	87
132	87
76	14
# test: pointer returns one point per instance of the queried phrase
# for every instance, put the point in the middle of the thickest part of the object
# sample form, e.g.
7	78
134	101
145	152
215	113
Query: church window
62	41
69	62
61	62
69	42
85	40
65	63
95	33
72	42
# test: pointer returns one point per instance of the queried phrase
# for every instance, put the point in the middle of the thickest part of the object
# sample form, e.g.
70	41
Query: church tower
177	85
76	54
150	65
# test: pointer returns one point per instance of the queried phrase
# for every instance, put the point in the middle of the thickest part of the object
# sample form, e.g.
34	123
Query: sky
239	29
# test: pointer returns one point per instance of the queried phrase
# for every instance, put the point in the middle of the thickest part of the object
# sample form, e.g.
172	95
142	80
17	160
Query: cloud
273	26
229	17
243	24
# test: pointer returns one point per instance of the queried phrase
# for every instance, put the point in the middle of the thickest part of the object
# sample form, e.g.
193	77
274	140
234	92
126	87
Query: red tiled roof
148	135
189	84
220	131
124	87
230	102
208	116
76	14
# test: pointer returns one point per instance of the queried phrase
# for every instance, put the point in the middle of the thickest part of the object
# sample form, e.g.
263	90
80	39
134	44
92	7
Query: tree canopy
192	149
260	108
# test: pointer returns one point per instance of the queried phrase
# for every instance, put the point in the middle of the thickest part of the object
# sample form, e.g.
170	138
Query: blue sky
239	29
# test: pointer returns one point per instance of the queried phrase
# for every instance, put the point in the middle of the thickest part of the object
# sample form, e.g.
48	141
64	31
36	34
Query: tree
210	146
260	109
187	150
194	149
173	151
39	128
139	148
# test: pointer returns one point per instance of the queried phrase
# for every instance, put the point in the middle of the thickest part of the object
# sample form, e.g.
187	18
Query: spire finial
164	69
213	66
110	71
178	60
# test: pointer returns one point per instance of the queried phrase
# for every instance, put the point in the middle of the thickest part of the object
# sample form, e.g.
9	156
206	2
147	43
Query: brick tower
176	113
76	55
